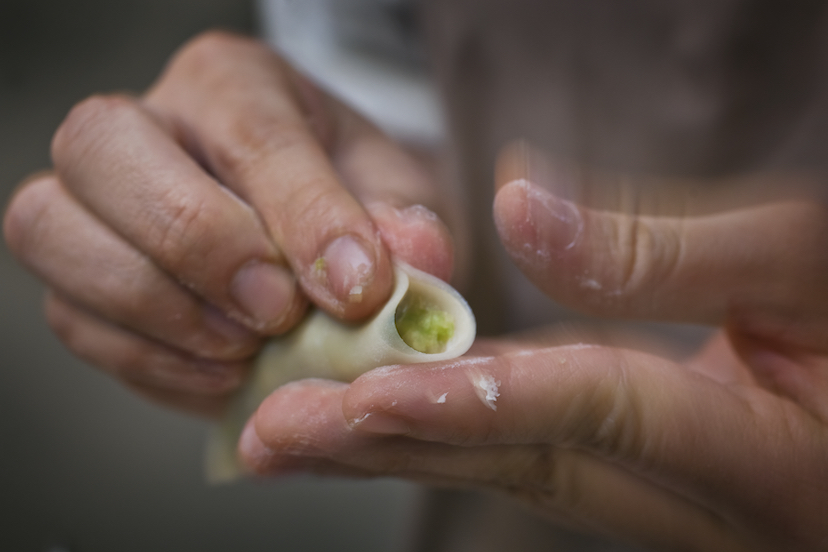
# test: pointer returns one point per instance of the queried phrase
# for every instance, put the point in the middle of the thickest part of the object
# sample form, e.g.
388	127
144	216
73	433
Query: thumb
767	259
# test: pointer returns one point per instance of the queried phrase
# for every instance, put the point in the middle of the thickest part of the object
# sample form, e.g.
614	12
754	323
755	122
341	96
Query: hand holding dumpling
179	228
725	451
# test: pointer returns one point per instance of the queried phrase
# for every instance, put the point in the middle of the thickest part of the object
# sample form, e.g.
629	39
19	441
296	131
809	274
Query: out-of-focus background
86	466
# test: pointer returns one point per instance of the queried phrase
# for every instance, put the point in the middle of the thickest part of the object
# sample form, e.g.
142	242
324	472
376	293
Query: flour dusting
355	294
487	389
359	420
468	361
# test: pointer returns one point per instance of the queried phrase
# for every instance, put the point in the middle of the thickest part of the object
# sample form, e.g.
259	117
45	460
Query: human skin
324	347
180	228
726	450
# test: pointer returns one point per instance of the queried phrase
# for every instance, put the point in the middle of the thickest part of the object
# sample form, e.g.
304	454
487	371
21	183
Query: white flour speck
487	389
355	294
580	346
470	361
359	420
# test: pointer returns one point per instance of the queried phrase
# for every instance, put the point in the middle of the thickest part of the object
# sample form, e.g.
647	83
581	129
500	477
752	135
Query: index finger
263	141
667	424
118	161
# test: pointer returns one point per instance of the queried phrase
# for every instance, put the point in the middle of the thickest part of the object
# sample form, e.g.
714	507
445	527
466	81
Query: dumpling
424	320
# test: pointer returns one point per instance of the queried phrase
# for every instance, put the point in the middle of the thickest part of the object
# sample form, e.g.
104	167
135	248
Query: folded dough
427	308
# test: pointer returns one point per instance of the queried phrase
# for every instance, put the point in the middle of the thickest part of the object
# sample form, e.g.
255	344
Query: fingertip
375	396
416	236
348	266
252	454
511	216
533	220
258	459
295	407
352	276
535	225
267	296
26	206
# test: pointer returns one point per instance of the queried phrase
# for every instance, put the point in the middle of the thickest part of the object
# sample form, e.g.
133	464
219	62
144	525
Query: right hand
727	450
179	228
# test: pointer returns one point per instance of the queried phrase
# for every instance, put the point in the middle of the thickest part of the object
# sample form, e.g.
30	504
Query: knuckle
216	60
549	482
314	201
83	128
181	233
26	215
632	245
645	254
260	139
652	255
613	425
72	330
207	45
212	49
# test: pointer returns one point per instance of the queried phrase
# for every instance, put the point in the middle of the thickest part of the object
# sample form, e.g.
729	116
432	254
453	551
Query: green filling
422	325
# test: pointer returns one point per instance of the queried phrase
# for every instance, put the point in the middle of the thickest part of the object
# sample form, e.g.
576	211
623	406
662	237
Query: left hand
725	451
180	228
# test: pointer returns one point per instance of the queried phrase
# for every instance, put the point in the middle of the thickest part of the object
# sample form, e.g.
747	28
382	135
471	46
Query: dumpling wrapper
322	347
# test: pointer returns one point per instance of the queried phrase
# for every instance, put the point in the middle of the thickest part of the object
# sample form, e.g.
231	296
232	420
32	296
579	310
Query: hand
179	228
725	451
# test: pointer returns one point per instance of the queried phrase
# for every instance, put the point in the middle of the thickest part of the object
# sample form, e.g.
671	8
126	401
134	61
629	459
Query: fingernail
349	267
264	292
557	222
378	422
253	453
257	459
417	213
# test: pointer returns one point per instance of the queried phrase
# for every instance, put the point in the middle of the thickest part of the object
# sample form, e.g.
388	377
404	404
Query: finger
125	168
675	348
718	361
664	423
74	253
695	268
137	360
415	235
400	191
254	134
274	446
204	406
300	428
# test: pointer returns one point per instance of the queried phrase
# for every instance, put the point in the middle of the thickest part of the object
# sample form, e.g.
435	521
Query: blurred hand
726	451
179	228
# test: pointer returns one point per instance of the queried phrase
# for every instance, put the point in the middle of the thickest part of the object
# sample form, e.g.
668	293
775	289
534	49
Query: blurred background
84	465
